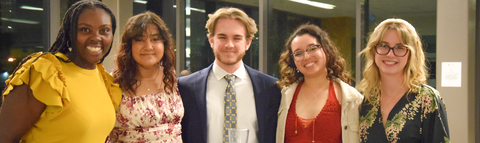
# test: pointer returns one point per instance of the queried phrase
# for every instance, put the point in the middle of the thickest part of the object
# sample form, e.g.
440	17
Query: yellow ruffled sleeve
113	88
43	73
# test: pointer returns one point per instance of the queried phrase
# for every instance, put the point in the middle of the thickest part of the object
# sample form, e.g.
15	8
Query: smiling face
313	63
229	42
390	64
94	37
148	50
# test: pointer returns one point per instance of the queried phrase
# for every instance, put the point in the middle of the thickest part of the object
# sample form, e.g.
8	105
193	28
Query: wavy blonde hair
336	66
235	13
415	70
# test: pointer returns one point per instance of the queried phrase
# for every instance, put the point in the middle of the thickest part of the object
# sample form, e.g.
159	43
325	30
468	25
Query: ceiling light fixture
192	9
198	10
20	20
140	1
315	4
31	8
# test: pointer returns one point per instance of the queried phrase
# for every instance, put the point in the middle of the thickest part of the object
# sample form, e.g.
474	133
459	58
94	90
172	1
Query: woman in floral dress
398	105
151	107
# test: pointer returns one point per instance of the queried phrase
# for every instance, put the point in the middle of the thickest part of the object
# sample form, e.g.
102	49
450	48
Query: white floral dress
149	118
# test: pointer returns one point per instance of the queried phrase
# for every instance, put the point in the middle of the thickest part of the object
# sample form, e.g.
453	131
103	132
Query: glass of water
237	135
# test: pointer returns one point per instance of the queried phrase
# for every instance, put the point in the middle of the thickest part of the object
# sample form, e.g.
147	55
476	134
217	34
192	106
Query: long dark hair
67	35
335	62
126	69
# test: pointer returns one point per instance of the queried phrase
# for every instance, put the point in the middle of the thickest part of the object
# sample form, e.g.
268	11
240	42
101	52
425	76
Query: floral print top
149	118
416	118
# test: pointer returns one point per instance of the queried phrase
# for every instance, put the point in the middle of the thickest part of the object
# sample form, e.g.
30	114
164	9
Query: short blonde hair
415	70
235	13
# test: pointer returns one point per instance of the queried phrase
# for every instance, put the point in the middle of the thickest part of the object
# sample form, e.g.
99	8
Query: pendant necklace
314	119
148	88
388	102
149	82
315	95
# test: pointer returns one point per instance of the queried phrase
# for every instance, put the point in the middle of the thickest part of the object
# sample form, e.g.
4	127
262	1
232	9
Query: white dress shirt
246	113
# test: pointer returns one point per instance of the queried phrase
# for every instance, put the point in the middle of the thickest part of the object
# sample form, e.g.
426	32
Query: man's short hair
235	13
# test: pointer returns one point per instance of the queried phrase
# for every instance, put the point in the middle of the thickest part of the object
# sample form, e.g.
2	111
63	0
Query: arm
435	126
113	137
21	110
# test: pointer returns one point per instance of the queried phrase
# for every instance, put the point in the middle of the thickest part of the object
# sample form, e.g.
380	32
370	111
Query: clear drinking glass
237	135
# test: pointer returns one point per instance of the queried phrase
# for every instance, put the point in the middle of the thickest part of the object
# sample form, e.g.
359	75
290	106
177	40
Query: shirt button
346	127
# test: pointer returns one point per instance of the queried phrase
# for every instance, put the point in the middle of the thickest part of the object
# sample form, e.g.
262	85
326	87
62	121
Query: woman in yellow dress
65	94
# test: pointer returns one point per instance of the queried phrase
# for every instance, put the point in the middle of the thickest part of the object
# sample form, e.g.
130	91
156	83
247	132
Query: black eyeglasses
384	49
311	50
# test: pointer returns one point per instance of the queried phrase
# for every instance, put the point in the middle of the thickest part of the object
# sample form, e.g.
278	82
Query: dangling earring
68	45
297	70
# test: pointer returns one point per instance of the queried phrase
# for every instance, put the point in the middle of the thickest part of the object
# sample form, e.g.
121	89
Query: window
421	14
24	30
199	54
338	20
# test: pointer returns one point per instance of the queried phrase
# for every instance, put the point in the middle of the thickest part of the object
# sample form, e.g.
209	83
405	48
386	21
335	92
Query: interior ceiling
379	8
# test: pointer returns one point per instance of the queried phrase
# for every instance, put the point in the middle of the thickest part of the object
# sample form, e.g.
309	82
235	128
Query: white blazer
351	102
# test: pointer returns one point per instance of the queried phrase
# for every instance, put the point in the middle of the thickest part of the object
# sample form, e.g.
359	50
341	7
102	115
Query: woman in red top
318	104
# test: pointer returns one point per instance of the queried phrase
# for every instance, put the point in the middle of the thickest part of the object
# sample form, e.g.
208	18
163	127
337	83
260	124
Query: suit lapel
201	98
258	84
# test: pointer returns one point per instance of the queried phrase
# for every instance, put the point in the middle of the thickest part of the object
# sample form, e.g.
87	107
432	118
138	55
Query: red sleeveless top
325	128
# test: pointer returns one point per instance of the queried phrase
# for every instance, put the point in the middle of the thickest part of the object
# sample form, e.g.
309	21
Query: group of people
66	95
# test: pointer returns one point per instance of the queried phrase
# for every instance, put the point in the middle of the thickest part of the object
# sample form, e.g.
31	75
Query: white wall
123	10
454	44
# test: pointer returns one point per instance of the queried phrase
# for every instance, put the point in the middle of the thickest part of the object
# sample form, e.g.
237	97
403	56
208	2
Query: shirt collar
220	73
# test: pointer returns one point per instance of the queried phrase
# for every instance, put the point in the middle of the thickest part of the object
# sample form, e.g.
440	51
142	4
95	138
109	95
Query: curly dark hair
126	69
67	35
336	66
